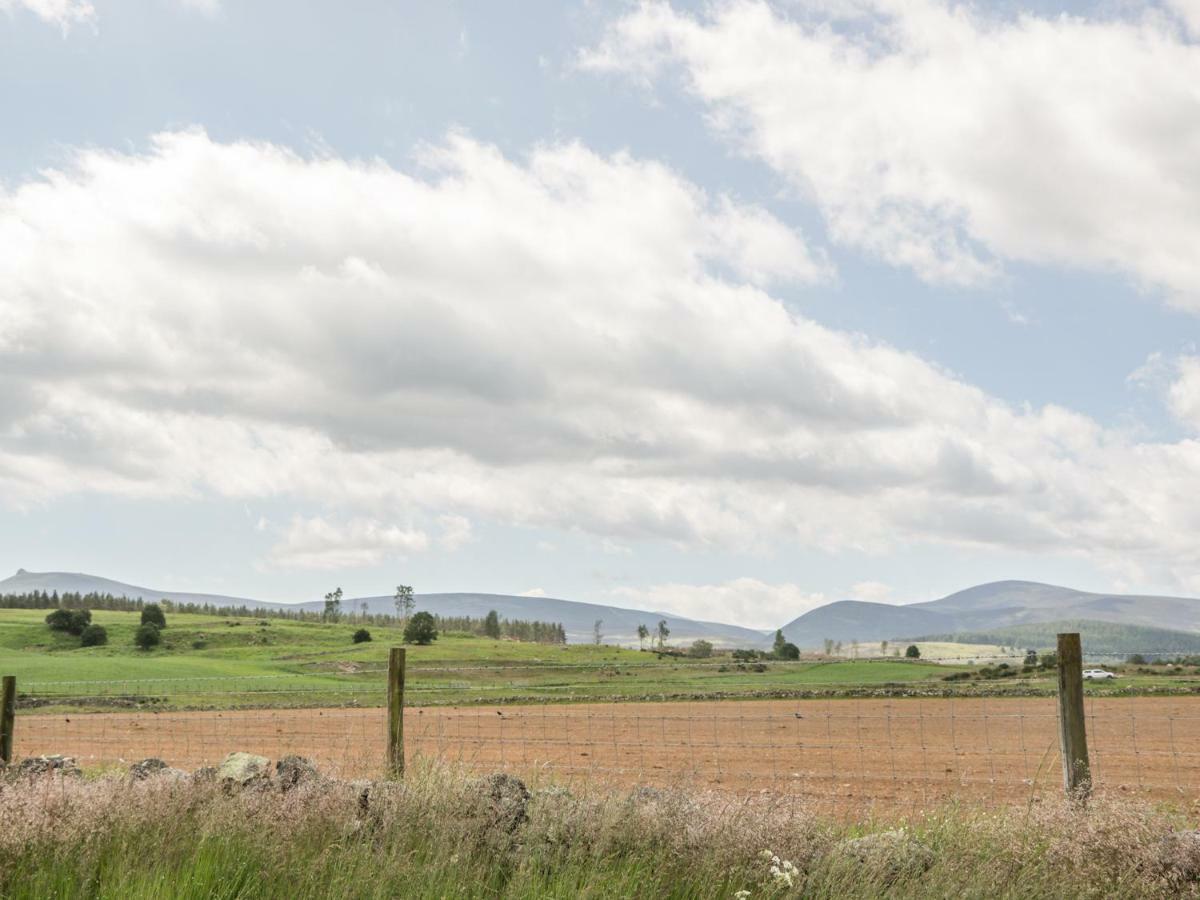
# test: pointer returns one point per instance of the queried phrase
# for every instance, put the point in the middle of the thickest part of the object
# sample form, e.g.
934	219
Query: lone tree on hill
643	633
913	652
146	637
788	651
405	602
421	629
491	624
152	614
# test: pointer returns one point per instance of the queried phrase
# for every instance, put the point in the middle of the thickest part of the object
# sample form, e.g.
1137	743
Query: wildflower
741	895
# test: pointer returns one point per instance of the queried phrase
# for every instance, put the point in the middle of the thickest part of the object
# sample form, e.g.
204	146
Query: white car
1097	674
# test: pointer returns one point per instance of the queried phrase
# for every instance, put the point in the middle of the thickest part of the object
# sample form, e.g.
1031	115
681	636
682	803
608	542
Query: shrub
93	636
745	655
913	652
788	651
362	636
153	615
72	621
421	629
199	645
1136	659
147	636
700	650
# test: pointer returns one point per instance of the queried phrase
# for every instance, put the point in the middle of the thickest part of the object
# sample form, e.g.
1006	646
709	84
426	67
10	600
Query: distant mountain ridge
986	608
577	618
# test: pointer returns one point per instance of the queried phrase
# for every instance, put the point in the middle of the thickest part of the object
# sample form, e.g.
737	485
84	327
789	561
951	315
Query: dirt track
904	752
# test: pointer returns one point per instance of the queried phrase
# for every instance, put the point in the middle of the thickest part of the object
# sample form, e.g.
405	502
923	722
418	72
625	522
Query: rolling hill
619	623
1100	638
986	608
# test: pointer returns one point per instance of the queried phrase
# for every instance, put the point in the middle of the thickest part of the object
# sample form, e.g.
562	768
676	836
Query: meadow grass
235	658
437	834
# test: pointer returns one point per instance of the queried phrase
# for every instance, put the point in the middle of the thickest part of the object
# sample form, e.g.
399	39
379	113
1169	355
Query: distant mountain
986	608
1099	638
77	582
619	623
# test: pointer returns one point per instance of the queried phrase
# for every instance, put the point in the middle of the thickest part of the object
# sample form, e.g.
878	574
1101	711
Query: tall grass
436	835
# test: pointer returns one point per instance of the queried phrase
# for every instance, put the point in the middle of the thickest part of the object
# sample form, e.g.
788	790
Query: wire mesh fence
849	752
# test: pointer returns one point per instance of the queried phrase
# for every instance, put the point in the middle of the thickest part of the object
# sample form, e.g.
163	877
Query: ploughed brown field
852	753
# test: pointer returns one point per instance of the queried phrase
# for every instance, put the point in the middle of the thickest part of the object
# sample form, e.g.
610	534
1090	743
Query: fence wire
847	752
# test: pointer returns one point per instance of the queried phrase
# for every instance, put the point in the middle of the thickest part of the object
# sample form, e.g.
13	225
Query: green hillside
1099	638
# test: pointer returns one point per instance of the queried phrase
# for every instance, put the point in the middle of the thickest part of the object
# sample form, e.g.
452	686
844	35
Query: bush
788	650
72	621
421	629
700	650
913	652
745	655
153	615
93	636
362	636
1136	659
199	645
147	636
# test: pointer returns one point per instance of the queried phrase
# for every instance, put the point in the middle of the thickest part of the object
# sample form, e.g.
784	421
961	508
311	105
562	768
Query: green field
230	662
207	661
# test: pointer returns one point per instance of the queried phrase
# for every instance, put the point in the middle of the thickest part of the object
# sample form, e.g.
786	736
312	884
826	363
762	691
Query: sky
726	310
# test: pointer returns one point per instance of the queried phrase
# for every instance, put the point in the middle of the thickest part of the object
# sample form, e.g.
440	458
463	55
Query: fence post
396	711
1077	773
8	709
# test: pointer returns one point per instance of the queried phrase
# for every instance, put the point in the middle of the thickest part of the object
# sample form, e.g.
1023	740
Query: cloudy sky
727	309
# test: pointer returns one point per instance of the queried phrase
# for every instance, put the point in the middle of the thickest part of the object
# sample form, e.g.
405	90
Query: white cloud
1183	395
314	543
63	13
456	531
533	592
745	601
557	342
949	140
872	591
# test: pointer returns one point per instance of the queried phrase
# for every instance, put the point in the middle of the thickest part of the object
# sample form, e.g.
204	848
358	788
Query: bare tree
643	633
405	602
333	605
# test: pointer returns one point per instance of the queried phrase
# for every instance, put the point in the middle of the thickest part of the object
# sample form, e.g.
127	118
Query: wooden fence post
396	711
8	709
1077	772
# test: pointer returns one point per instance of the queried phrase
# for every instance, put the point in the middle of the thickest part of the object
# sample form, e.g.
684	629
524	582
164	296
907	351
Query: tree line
492	625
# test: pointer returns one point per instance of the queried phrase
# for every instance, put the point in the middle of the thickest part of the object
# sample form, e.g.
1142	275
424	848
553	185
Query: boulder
243	769
205	773
34	766
292	770
147	768
891	853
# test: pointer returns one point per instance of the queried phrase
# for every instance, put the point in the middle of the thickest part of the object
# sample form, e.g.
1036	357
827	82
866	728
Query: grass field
210	661
218	662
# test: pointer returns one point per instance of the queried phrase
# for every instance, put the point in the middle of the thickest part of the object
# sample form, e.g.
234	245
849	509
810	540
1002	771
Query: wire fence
849	752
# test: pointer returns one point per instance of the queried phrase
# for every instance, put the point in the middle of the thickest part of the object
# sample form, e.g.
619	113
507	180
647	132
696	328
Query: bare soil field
852	753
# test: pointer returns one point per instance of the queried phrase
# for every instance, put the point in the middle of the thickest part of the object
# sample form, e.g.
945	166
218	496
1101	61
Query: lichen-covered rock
147	768
293	770
892	853
34	766
244	768
503	801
